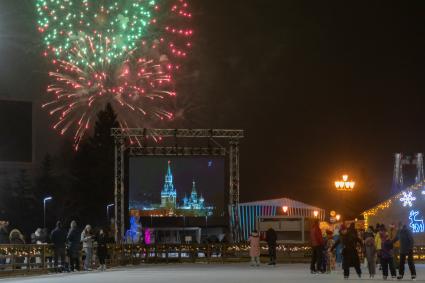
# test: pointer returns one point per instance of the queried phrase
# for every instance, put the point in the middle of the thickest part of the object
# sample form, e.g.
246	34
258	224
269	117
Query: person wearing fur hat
254	248
16	238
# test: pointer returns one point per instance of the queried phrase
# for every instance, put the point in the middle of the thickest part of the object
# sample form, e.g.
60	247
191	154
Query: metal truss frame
121	135
177	151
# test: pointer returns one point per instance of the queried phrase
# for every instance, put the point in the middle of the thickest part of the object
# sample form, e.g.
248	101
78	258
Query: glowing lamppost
46	199
338	217
107	211
344	184
316	213
285	209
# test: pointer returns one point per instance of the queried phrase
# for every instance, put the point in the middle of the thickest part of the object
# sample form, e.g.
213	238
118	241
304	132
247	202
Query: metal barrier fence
39	258
20	259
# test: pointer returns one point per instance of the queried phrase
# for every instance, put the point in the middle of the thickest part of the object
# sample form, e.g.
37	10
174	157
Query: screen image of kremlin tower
192	205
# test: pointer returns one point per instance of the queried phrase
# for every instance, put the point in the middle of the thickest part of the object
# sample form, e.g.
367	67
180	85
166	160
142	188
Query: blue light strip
253	219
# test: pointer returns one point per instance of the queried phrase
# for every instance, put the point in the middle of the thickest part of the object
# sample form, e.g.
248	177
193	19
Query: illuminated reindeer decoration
417	225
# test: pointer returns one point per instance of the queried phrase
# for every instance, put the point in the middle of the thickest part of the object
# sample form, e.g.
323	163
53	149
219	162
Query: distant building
246	216
404	208
193	202
168	193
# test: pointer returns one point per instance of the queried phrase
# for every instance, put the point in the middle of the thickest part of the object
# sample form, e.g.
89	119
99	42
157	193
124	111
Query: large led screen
176	186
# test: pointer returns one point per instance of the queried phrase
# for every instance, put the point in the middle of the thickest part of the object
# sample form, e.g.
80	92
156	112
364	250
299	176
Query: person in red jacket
317	248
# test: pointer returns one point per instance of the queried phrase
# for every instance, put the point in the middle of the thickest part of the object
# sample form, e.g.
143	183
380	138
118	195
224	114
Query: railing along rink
33	259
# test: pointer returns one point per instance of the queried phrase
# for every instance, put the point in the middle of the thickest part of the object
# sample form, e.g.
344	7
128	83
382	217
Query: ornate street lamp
344	184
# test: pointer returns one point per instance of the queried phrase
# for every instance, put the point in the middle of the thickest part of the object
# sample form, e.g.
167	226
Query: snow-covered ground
203	273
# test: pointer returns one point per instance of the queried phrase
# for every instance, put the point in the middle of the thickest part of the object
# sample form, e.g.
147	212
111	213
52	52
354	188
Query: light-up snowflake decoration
407	199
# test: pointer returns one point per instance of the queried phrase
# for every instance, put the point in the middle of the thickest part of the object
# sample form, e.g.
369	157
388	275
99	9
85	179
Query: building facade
245	215
404	208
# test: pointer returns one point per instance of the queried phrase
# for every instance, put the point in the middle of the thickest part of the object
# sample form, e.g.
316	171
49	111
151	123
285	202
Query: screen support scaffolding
134	140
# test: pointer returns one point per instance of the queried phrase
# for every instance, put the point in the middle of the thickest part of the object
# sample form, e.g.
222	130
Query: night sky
321	88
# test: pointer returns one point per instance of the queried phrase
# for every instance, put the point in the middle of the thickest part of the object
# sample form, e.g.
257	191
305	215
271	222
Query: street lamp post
344	185
206	225
107	211
285	209
46	199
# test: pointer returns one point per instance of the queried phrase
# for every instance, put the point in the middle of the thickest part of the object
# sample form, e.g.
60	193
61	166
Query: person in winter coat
378	242
254	248
350	257
58	237
16	238
370	251
387	255
405	238
73	240
330	258
102	249
87	239
4	238
338	249
271	239
317	243
392	234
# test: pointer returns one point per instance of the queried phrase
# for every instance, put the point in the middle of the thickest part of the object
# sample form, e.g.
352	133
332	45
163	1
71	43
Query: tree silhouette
94	169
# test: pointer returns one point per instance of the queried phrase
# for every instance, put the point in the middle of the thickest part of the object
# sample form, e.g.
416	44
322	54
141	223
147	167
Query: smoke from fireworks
132	70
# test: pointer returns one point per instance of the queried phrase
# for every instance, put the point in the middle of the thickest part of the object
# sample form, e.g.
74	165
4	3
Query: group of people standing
70	243
379	245
254	251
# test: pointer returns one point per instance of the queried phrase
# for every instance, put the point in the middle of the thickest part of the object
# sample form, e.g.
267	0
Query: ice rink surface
205	273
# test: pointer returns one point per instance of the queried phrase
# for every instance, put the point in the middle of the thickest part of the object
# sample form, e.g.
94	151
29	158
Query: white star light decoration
407	199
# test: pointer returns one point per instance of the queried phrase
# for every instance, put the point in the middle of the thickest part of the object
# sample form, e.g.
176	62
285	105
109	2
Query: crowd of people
68	246
382	248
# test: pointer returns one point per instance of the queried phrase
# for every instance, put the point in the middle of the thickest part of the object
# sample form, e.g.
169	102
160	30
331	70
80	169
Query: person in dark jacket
73	240
317	244
4	237
102	249
406	250
350	257
58	237
271	239
387	255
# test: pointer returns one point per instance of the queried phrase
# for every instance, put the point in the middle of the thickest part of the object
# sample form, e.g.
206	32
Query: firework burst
94	67
137	89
